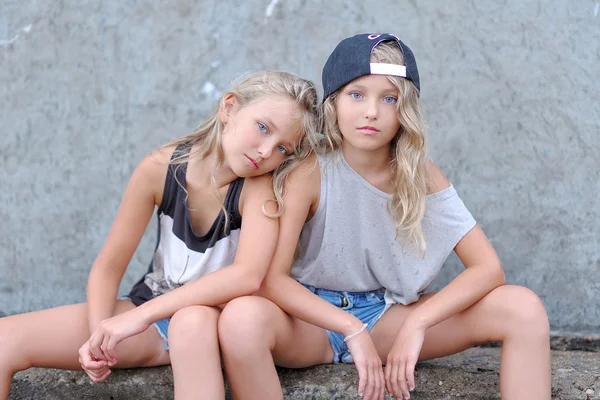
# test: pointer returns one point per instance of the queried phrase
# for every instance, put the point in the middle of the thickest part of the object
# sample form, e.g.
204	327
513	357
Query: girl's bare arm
302	195
143	192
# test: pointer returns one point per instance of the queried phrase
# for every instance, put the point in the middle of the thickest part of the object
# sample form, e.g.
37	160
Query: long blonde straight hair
254	87
408	151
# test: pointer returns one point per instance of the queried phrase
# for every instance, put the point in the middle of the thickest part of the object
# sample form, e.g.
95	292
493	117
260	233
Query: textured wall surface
88	88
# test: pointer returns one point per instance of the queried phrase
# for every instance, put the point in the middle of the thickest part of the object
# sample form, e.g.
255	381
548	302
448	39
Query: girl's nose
372	110
265	151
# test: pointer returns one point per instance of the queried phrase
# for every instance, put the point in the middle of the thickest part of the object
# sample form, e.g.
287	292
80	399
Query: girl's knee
245	318
192	323
526	312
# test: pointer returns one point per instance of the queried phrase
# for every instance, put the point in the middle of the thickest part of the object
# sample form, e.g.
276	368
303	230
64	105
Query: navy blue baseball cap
351	59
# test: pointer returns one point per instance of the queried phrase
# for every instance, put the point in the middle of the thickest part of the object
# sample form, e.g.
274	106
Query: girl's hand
95	366
112	331
368	364
401	360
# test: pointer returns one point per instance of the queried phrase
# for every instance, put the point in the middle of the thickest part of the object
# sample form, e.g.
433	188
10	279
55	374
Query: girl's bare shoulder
303	181
307	175
151	172
304	187
436	180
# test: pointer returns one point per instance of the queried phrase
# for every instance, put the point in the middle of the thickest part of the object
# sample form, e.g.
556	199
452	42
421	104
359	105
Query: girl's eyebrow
356	86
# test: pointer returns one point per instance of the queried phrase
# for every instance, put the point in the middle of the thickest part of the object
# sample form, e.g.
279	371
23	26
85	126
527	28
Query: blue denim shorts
162	326
366	306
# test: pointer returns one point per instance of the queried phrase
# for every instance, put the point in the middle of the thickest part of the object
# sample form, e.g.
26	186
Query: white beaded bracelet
355	333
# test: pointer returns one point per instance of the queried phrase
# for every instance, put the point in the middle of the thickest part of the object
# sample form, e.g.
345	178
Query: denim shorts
366	306
162	326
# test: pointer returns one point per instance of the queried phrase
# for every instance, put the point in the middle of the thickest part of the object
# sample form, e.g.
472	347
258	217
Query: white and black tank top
181	256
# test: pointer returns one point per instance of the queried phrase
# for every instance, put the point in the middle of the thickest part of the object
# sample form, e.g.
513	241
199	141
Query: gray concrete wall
88	88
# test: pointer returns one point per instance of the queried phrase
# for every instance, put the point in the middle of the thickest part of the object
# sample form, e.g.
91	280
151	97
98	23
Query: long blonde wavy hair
408	151
255	87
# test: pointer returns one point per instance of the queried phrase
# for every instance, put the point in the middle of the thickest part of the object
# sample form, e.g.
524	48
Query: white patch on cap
388	69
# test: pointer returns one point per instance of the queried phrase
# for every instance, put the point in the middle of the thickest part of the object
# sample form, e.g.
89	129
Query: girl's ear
228	107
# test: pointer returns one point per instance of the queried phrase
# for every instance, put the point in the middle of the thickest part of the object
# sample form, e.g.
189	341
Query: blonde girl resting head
374	222
216	208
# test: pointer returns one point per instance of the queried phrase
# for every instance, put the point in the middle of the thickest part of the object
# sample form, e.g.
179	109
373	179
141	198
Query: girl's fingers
110	348
88	360
93	365
96	354
374	378
113	356
381	382
402	380
369	389
99	378
97	372
103	377
378	378
104	346
410	375
94	348
388	380
394	381
361	379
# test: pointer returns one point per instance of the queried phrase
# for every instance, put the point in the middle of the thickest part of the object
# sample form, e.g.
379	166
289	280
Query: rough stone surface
472	375
510	88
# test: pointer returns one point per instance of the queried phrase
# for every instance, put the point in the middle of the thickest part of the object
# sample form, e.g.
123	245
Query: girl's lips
251	162
368	130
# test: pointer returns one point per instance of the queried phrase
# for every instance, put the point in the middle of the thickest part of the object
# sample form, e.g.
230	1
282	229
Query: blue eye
356	95
282	150
390	100
262	127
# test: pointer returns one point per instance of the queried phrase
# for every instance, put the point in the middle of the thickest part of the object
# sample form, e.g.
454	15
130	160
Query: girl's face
260	135
366	112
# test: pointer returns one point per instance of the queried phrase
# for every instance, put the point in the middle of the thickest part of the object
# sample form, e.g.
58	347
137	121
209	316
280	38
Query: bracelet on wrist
355	333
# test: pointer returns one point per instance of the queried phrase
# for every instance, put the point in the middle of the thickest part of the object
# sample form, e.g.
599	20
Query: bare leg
52	338
195	357
512	315
254	333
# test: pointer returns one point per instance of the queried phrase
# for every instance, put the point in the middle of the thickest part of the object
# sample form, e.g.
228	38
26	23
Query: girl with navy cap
368	224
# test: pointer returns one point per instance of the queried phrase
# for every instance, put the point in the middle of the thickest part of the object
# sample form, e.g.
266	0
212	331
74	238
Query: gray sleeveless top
350	243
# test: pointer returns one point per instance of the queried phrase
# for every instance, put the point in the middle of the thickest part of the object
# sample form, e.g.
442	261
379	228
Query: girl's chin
247	172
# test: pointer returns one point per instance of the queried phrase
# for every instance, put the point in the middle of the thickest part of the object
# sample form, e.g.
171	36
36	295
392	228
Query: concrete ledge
575	342
471	375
